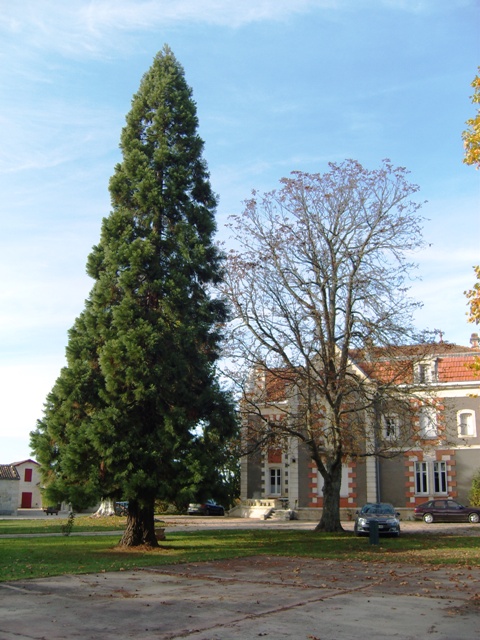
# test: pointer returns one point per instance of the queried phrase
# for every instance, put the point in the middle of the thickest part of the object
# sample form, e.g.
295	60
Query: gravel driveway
407	526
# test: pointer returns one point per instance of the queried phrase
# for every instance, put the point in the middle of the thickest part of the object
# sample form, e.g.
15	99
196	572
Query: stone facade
20	486
436	464
9	483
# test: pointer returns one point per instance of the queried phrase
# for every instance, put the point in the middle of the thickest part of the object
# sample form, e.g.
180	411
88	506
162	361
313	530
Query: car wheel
428	518
473	517
207	512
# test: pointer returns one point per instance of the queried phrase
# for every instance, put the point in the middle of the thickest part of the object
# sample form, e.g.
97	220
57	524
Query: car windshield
378	509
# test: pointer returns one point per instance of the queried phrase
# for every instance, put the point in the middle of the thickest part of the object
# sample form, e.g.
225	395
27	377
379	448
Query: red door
26	501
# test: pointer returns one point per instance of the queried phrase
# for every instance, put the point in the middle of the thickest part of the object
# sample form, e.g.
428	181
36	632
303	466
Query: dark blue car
208	508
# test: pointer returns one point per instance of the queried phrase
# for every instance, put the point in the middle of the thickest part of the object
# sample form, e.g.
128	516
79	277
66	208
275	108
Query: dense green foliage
139	403
474	495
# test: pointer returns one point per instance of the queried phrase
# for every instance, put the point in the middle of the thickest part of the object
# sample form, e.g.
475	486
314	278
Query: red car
446	511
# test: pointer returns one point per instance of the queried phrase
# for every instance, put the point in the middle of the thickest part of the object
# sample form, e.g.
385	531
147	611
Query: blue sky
280	85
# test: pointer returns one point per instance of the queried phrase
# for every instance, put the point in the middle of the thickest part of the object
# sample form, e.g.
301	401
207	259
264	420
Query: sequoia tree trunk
140	529
106	508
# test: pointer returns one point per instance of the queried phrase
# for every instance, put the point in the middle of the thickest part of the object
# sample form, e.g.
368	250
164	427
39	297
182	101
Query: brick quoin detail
352	486
316	500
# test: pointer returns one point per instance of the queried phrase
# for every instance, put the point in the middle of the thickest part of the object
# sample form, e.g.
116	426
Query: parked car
446	511
52	510
208	508
382	513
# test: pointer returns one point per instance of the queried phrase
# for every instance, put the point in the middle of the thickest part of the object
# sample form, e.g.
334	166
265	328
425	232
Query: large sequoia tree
139	400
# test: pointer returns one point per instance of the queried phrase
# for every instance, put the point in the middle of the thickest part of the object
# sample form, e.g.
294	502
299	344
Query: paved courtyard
247	598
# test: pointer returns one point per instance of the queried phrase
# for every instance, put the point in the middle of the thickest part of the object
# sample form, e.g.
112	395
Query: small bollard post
373	532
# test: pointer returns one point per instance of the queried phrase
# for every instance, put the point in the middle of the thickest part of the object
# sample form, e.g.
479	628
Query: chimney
474	340
368	348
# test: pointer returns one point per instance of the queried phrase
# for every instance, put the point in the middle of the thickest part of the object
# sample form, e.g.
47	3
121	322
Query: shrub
474	495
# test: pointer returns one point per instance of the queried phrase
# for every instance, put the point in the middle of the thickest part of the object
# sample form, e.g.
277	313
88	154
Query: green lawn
53	524
48	556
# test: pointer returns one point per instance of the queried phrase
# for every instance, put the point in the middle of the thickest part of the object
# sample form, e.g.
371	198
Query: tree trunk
330	520
140	529
106	508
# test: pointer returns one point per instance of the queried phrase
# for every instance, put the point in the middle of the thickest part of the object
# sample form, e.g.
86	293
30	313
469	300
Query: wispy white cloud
79	29
105	14
87	28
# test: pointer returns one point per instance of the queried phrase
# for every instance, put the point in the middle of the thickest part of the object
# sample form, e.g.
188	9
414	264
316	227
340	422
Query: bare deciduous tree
321	277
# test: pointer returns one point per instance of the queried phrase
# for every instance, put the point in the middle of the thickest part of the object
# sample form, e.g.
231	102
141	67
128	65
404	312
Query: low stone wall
261	509
246	511
345	514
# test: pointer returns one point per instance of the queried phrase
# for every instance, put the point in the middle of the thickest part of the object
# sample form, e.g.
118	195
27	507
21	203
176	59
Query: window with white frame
421	478
439	477
466	424
428	422
390	427
275	482
431	477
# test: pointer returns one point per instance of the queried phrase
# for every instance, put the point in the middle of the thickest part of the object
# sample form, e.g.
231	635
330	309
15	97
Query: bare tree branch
321	277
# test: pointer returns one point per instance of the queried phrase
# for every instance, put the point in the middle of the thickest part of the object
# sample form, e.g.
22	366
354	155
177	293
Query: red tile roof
454	362
27	460
8	472
458	368
393	365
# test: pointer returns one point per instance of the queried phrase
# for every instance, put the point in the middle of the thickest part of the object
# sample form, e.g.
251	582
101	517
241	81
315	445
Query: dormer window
426	372
423	373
